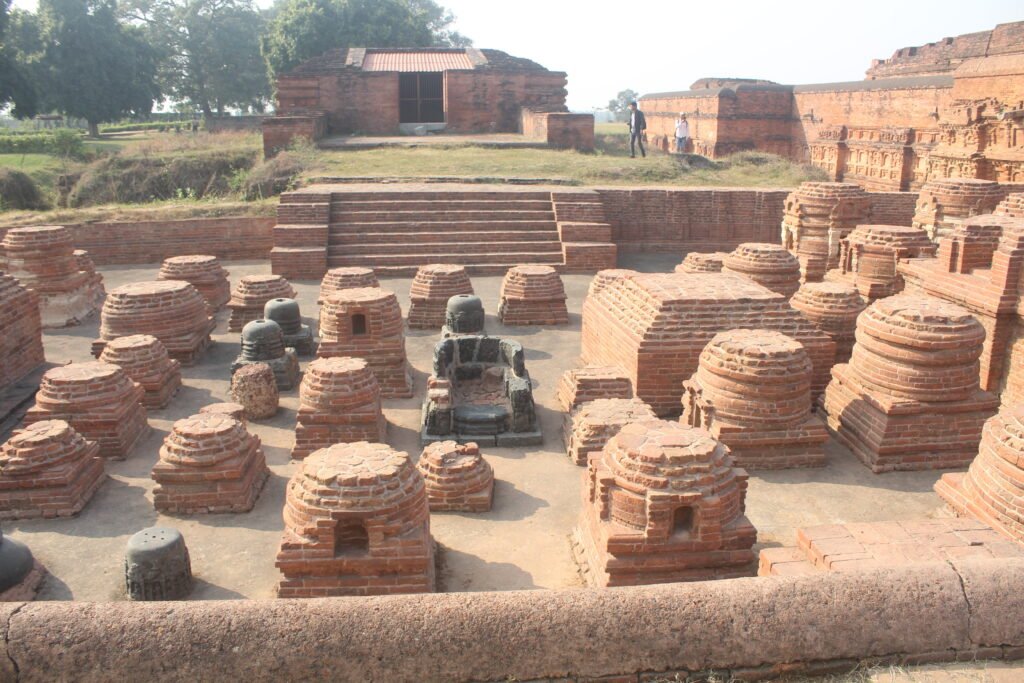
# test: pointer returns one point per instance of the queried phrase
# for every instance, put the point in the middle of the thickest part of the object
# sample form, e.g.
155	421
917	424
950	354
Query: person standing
637	128
682	133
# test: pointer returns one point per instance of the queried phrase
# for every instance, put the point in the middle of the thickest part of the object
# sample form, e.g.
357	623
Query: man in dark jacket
637	128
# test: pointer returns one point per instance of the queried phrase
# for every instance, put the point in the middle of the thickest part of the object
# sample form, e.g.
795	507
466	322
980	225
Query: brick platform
591	383
234	410
21	344
251	294
869	256
209	463
589	426
433	285
346	277
603	278
367	323
457	478
339	402
254	387
532	295
173	311
817	217
833	308
944	201
144	359
86	265
663	503
99	401
356	522
697	262
992	490
752	392
204	273
769	265
909	397
48	470
656	325
43	259
1012	206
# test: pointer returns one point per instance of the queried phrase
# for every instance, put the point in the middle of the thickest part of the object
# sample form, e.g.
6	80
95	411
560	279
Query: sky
662	45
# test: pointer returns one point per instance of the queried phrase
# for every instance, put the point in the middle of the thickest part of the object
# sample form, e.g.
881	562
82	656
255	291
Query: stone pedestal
909	397
430	291
817	218
48	470
144	359
202	272
251	294
588	427
209	463
285	312
254	386
367	323
869	256
752	392
99	401
944	201
697	262
532	295
263	342
43	259
173	311
833	308
356	522
157	565
21	343
591	383
769	265
457	478
351	277
339	402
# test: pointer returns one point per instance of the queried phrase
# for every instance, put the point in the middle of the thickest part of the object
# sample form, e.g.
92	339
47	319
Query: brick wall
945	55
893	208
561	130
222	124
280	131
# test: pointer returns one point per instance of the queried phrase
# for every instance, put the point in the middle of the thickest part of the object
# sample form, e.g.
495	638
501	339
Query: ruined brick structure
356	522
1012	206
250	296
769	265
367	323
433	285
202	272
43	259
21	344
457	478
254	387
590	425
173	311
833	308
909	399
942	203
144	359
99	401
752	392
663	503
234	410
86	265
48	470
654	326
591	383
992	489
339	402
532	295
209	463
698	262
817	217
346	277
870	254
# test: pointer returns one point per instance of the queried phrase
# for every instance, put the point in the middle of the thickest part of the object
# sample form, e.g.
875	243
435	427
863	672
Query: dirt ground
521	544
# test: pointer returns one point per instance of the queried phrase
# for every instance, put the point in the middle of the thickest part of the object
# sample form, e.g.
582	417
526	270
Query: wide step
416	260
344	237
442	249
442	205
441	226
342	216
440	195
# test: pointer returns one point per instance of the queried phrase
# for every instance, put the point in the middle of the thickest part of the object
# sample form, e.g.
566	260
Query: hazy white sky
659	45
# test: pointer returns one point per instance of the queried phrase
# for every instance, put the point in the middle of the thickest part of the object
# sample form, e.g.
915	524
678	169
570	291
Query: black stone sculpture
263	342
157	565
285	312
464	314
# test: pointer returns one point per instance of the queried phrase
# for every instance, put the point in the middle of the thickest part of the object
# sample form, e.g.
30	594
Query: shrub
273	176
18	191
148	125
61	142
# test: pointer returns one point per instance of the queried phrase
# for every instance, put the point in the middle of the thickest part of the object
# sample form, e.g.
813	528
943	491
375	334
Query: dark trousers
636	138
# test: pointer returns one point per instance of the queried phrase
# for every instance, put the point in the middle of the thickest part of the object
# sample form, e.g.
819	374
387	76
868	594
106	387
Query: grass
174	209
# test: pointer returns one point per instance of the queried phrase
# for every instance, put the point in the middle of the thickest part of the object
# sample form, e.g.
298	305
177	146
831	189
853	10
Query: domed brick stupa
700	262
833	308
430	291
532	295
870	254
589	427
817	217
769	265
347	277
944	201
202	272
144	359
250	296
457	477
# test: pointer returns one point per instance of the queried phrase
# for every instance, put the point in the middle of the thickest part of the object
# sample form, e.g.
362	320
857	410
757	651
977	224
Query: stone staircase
396	230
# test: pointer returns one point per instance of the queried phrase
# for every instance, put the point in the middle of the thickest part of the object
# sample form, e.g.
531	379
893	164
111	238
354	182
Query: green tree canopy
619	107
302	29
15	74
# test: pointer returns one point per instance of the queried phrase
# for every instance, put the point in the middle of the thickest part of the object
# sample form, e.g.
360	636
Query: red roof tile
427	60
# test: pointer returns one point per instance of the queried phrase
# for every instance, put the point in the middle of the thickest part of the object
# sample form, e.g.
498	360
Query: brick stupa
587	428
457	477
357	522
769	265
86	265
700	262
833	308
817	217
21	343
752	391
98	400
992	489
367	323
209	463
48	470
251	294
532	295
173	311
944	201
347	277
869	256
433	285
203	272
43	259
591	383
144	359
339	402
909	399
663	503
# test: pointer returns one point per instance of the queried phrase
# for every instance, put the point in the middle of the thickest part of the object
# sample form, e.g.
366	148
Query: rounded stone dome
285	312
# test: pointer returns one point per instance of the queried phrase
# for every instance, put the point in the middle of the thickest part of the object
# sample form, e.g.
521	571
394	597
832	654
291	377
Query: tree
15	77
302	29
209	50
619	107
93	67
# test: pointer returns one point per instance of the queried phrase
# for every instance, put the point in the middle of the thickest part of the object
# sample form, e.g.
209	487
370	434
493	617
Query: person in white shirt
682	133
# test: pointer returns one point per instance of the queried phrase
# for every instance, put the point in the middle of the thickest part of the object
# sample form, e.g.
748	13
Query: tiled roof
426	60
